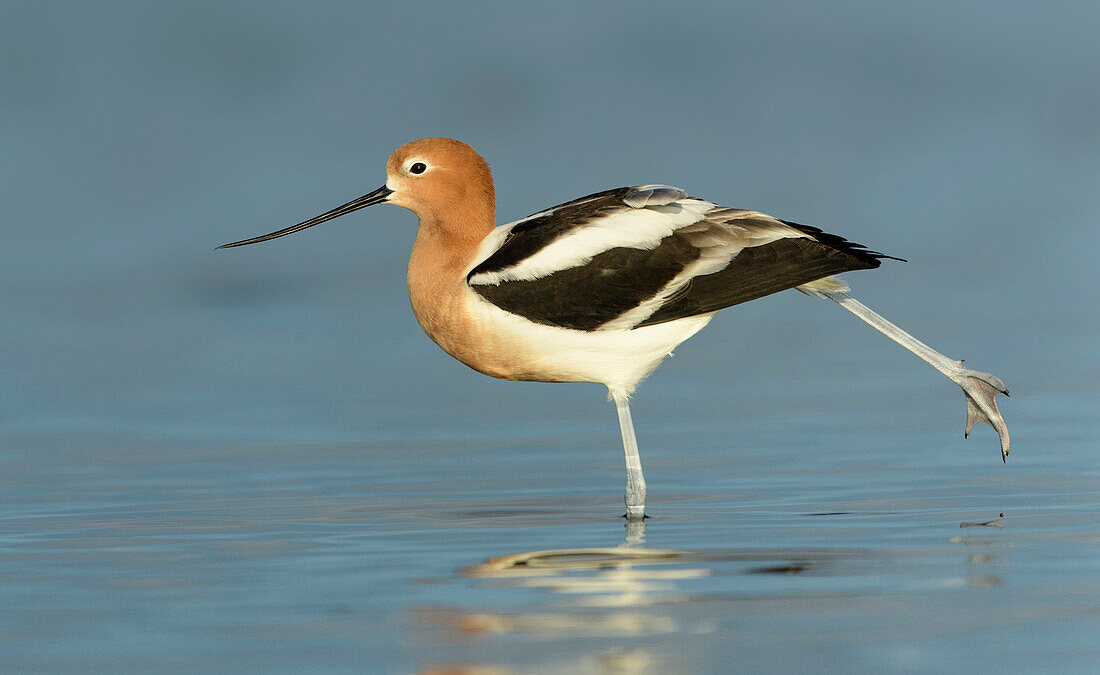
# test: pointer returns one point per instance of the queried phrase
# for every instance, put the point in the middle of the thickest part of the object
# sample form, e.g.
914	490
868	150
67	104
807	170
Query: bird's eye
418	168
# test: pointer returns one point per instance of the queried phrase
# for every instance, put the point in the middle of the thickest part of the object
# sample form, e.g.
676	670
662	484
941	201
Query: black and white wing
643	255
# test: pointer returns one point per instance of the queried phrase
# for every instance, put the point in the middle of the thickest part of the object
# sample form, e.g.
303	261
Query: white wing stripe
642	228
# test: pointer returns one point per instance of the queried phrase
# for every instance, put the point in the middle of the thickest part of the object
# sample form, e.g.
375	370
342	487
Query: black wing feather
586	297
618	280
762	270
840	243
530	235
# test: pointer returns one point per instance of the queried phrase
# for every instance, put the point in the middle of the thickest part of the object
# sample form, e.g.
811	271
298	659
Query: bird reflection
625	576
618	661
605	591
986	565
610	591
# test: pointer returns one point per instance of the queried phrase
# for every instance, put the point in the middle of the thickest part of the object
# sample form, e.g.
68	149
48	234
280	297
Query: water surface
254	460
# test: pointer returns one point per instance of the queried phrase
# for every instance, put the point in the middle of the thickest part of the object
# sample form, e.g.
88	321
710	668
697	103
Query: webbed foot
981	390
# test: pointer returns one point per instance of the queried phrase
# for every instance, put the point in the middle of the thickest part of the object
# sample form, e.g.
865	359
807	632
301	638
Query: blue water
254	460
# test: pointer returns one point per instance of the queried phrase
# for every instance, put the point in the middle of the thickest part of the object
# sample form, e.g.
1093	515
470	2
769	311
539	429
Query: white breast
618	359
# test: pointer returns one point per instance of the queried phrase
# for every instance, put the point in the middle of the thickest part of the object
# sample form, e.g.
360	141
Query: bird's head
443	181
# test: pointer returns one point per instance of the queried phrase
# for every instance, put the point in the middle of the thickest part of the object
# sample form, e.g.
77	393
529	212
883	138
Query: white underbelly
513	347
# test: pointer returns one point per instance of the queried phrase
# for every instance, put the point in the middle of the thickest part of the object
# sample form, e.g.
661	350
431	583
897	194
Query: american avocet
603	288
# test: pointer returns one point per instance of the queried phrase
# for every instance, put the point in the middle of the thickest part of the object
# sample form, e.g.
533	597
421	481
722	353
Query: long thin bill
379	196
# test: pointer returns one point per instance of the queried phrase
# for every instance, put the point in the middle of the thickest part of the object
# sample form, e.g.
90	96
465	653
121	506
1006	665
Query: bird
603	288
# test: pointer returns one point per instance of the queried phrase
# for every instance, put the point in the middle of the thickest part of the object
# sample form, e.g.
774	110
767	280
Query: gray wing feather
642	196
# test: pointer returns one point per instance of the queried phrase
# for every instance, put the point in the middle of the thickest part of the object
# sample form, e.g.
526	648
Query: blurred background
138	136
135	137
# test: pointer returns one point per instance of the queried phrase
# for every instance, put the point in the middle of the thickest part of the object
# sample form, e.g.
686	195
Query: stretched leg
980	388
635	482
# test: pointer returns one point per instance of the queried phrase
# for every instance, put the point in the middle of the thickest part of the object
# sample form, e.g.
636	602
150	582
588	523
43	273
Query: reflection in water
999	522
624	576
548	624
608	590
626	592
626	579
987	562
596	577
624	661
615	593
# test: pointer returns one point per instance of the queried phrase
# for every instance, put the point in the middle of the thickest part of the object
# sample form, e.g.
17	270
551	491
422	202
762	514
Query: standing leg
635	482
980	388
